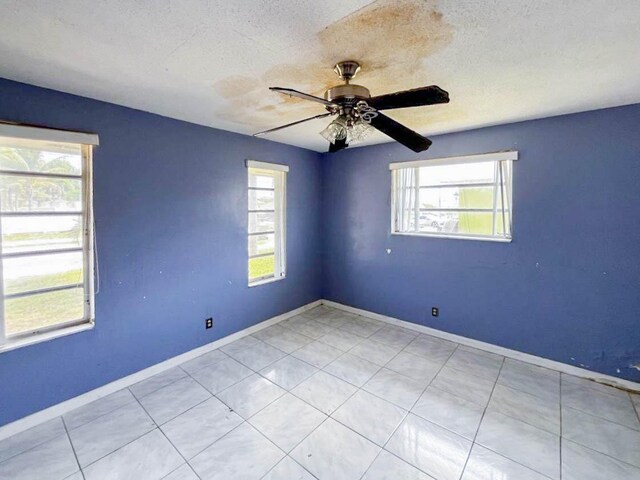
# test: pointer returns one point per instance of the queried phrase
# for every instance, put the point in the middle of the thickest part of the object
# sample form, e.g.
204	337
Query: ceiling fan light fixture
336	130
358	132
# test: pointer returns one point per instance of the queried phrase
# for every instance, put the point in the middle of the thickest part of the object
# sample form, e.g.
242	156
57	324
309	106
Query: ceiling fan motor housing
341	93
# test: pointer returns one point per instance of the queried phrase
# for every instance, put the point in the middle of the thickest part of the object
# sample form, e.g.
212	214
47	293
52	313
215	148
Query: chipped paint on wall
391	39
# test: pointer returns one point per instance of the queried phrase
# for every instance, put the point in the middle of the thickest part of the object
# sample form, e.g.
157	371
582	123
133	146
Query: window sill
12	344
265	281
455	237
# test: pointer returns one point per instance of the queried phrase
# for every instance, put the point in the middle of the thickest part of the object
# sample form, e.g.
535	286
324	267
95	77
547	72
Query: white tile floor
333	396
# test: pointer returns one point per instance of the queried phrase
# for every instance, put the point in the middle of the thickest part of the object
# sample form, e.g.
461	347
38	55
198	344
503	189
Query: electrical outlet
434	311
208	323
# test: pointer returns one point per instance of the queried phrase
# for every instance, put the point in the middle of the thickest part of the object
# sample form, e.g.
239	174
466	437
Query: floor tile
240	345
601	435
413	366
288	372
317	354
479	364
183	473
317	311
287	421
375	352
310	328
288	341
395	337
395	387
332	320
288	469
389	467
221	375
341	339
325	392
370	416
333	452
617	409
581	463
75	476
431	348
616	392
51	460
109	432
199	427
635	399
532	379
449	411
269	332
465	385
204	360
483	464
352	369
97	408
23	441
362	326
242	454
148	458
530	446
250	395
433	449
257	355
537	411
172	400
150	385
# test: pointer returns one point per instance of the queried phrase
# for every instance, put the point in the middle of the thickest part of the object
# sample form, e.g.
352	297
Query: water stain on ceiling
389	38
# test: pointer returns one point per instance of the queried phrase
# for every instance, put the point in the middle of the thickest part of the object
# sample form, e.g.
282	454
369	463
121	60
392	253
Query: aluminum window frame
279	174
502	185
87	321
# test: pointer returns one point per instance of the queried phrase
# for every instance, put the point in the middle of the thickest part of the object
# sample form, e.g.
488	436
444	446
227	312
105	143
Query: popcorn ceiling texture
211	61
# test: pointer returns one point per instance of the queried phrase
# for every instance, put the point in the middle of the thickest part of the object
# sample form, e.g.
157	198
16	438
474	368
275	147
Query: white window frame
279	173
86	141
503	164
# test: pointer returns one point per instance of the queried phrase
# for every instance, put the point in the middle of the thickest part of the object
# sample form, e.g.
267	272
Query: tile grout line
473	442
73	448
158	427
409	410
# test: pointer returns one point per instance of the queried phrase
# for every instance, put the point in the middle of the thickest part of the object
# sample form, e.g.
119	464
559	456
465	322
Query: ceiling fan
358	113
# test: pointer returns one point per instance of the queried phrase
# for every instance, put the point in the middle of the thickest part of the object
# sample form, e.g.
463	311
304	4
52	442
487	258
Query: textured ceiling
211	61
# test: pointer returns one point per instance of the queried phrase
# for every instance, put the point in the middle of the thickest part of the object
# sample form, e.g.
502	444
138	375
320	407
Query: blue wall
170	209
567	288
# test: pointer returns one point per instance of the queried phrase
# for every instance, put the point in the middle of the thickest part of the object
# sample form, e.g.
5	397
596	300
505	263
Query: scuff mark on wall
391	39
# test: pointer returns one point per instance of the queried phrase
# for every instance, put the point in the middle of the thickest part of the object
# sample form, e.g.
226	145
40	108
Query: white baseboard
488	347
54	411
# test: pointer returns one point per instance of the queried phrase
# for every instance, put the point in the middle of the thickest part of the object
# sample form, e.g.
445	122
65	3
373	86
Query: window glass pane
32	312
261	200
261	244
40	156
38	194
456	197
261	222
482	172
462	223
261	181
24	274
37	233
261	267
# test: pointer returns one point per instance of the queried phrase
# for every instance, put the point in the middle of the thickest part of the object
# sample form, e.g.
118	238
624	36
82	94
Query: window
459	197
46	268
267	222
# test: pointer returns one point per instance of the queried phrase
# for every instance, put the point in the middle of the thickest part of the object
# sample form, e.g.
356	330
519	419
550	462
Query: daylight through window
462	197
46	241
266	221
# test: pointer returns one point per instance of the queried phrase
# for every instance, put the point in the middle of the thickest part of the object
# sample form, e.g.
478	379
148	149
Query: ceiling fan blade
400	133
305	96
338	145
322	115
409	98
